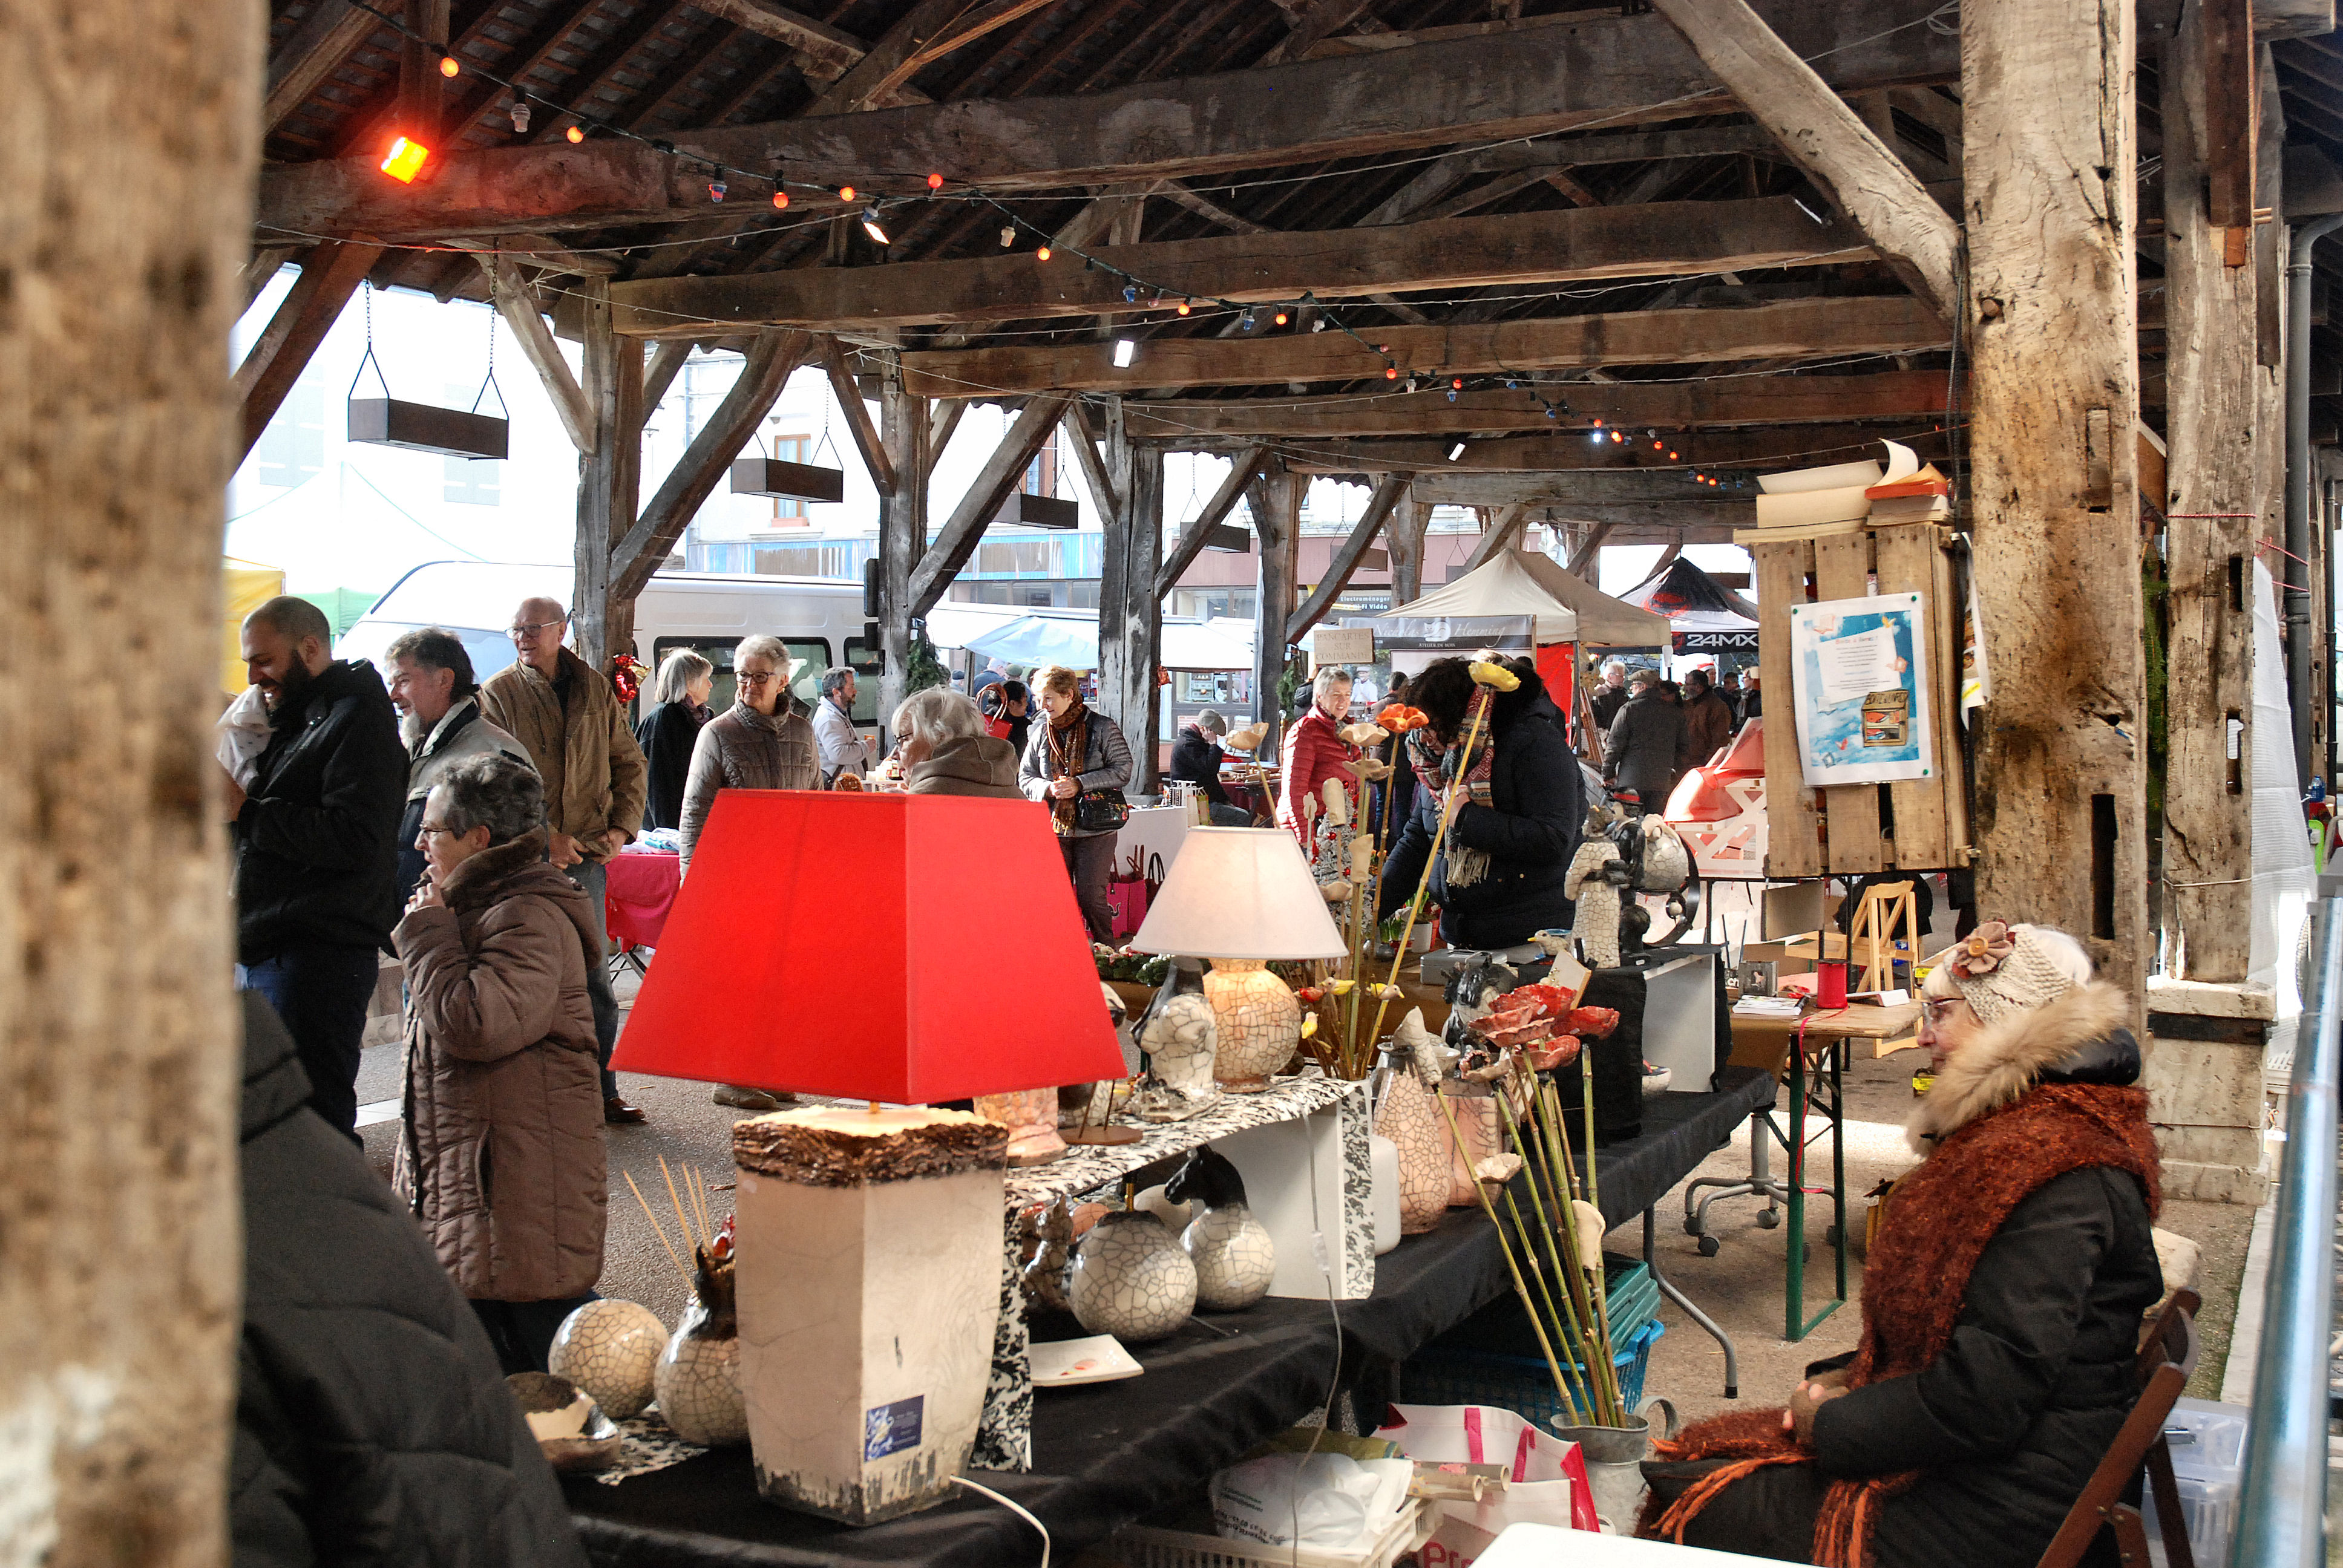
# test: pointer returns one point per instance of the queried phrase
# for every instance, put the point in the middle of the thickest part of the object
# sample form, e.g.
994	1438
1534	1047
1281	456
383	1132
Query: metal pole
2295	597
2283	1508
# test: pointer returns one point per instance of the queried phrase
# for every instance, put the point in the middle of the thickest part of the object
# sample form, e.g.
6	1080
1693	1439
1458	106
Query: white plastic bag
243	735
1545	1477
1327	1501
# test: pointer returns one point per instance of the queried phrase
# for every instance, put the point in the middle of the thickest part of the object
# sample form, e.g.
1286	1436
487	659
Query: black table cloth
1108	1454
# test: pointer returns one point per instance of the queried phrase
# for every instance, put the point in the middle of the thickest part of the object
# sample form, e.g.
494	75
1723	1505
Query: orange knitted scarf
1938	1220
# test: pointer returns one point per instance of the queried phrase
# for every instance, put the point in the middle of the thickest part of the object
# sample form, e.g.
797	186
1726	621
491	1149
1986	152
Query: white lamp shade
1239	893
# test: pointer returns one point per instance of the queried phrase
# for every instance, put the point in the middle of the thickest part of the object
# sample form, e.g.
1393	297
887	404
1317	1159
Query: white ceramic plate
1063	1363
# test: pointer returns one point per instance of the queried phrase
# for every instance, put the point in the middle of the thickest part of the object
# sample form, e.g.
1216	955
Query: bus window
867	663
812	654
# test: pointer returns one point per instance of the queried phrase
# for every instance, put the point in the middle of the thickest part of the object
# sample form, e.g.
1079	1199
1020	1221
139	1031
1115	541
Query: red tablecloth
641	891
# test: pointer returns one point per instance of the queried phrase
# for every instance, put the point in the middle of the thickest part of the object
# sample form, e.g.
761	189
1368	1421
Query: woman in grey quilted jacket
755	744
500	1154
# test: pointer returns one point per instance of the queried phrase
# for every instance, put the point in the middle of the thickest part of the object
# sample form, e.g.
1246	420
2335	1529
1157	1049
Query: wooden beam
824	52
1758	450
1590	549
1086	434
517	306
875	455
941	423
1243	469
420	50
948	554
1277	525
902	525
1131	616
331	273
609	481
313	51
1345	561
1573	242
1794	329
2061	827
2210	317
268	261
1409	521
1676	405
1499	536
1826	138
707	460
666	362
1610	71
932	29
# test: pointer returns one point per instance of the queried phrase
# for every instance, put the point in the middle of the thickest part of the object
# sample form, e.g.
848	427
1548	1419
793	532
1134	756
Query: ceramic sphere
1234	1257
611	1349
699	1383
1131	1280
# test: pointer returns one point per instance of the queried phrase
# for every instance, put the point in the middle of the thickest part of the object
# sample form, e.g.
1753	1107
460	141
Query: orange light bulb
846	193
1279	318
447	65
935	182
1183	308
780	198
575	132
1391	372
1043	254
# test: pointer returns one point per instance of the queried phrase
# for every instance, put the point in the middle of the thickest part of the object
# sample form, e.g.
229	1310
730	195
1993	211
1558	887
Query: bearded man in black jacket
316	851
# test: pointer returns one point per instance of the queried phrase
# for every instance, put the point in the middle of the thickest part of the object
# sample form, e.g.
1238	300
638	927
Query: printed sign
1860	682
891	1428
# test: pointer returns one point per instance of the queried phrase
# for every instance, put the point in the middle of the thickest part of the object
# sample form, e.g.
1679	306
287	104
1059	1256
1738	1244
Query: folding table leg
1668	1288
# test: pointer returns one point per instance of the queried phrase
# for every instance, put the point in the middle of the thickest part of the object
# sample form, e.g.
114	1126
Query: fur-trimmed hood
2084	1037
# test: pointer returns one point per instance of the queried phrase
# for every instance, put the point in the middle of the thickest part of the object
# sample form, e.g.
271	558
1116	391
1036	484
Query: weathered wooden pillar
609	479
1277	526
1405	536
902	525
2213	398
2048	91
124	228
1131	616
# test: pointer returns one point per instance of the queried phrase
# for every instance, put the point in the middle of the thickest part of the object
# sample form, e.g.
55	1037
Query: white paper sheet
1854	667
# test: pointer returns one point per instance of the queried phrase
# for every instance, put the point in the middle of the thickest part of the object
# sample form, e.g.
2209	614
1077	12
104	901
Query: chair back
2168	1359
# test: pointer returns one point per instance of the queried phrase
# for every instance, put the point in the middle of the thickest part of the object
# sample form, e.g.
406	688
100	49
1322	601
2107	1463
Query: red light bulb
576	134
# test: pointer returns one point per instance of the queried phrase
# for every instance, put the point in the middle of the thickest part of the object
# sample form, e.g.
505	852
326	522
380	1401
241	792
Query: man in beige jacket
564	711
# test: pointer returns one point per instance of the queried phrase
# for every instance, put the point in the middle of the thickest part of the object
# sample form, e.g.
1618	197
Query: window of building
1041	473
292	450
789	511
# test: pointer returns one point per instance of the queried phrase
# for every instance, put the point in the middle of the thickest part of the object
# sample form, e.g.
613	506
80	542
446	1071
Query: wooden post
121	1247
1130	617
2212	397
2048	157
903	523
1409	521
609	480
1277	526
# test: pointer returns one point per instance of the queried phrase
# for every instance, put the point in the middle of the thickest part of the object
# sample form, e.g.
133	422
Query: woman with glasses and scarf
2001	1302
1500	871
1079	752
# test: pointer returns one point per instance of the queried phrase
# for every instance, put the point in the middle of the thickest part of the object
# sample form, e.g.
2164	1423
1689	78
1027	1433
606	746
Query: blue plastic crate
1444	1374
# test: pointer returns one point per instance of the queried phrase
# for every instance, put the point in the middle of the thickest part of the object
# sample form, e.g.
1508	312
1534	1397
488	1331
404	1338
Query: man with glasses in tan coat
564	710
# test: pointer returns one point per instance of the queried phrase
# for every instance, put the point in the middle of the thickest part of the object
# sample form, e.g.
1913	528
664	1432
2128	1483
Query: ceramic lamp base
868	1285
1259	1019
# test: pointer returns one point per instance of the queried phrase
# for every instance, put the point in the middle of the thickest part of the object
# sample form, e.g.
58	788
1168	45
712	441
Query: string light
448	65
1131	294
1125	350
1246	321
1391	372
1456	451
1043	254
576	134
405	159
716	190
781	196
846	193
520	117
1279	318
935	182
1186	306
870	227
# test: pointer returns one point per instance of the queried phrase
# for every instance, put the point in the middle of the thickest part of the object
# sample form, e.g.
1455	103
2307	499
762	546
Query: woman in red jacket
1315	751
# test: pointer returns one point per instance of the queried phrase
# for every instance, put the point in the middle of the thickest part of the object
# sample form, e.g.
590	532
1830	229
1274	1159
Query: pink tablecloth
641	891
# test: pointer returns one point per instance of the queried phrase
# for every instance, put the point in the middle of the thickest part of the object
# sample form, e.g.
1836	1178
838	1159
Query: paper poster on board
1859	684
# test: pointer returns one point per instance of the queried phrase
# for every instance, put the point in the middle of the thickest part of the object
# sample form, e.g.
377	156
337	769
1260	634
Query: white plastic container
2208	1457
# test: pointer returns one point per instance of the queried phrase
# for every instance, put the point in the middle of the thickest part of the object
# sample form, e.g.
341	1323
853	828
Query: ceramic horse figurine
1232	1252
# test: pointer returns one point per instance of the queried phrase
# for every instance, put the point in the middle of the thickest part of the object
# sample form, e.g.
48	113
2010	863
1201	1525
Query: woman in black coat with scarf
1500	877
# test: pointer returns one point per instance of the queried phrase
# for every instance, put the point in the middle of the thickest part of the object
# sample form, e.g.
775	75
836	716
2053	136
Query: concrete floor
1741	1287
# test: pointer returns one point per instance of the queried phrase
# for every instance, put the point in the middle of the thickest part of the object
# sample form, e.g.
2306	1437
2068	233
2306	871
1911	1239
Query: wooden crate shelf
1854	829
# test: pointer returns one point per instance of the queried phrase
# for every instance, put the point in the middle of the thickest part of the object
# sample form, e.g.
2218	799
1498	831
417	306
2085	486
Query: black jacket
667	736
1529	829
1606	702
317	841
372	1426
1647	748
1196	756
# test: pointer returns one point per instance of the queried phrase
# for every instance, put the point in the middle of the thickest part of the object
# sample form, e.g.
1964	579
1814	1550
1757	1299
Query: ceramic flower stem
1572	1388
1521	1288
1572	1330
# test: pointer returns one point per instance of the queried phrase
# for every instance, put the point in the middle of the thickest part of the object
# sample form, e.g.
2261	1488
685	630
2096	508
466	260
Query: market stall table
1107	1454
639	894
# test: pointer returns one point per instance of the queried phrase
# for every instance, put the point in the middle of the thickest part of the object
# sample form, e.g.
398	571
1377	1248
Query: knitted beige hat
2000	969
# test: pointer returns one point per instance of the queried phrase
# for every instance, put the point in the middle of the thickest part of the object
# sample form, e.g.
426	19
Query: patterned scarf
1938	1220
1070	743
1438	764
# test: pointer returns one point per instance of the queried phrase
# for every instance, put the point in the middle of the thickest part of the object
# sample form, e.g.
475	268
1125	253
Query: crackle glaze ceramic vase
1131	1280
698	1375
1234	1254
611	1349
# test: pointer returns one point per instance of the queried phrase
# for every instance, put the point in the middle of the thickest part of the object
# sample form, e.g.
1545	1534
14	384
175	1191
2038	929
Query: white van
818	620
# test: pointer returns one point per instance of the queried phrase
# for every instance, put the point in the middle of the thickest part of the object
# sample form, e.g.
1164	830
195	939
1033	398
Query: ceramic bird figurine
1180	1039
1232	1252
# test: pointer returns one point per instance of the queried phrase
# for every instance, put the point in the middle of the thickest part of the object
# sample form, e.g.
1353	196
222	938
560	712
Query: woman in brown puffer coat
501	1156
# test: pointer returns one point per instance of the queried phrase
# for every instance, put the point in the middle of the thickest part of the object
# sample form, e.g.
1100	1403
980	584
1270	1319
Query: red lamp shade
904	948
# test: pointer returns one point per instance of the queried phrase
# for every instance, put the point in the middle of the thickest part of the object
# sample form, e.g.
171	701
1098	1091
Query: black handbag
1100	811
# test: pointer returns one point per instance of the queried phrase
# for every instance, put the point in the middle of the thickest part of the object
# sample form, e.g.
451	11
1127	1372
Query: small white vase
1234	1257
1383	1156
611	1349
698	1380
1131	1280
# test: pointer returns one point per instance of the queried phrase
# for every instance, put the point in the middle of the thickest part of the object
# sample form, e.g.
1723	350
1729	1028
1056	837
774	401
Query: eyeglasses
529	628
1937	1008
433	830
756	676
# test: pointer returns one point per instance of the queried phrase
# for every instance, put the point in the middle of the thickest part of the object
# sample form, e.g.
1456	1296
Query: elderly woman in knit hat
2001	1301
